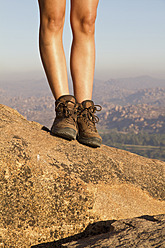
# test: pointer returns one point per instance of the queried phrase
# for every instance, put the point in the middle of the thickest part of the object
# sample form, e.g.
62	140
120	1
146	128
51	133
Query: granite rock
52	188
145	231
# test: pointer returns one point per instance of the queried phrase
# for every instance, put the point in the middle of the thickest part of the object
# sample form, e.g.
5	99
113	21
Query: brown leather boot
65	123
86	120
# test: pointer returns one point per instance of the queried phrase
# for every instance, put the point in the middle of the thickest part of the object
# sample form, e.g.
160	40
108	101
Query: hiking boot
86	120
65	123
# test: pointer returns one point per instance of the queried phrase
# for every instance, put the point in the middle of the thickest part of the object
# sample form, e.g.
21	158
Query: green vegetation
144	144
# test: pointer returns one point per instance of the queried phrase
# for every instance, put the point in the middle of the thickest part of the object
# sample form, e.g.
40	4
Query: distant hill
25	88
135	83
40	87
34	100
133	118
152	96
130	91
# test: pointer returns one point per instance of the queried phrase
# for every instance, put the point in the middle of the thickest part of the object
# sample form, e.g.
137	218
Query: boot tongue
67	98
87	104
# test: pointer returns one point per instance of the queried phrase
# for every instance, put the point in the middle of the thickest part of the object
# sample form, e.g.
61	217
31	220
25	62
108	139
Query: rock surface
145	231
52	188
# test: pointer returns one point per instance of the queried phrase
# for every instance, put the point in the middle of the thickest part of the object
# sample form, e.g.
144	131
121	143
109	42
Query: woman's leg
83	16
52	16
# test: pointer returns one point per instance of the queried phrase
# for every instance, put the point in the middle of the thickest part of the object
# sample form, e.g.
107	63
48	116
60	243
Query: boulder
145	231
52	188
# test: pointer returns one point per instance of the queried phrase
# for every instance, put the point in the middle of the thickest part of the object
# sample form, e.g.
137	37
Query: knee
88	24
53	23
85	24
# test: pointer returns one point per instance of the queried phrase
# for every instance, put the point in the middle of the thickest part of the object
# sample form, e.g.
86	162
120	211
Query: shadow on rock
46	129
91	230
149	218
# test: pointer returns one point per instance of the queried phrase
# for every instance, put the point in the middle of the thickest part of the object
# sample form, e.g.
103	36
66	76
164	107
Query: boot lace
89	116
63	108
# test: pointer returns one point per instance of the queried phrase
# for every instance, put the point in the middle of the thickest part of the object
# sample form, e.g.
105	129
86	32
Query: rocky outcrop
52	188
144	231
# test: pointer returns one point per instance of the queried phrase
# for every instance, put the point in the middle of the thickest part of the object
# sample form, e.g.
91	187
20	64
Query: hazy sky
130	39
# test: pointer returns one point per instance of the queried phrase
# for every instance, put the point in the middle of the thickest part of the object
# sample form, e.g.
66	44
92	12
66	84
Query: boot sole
66	133
93	142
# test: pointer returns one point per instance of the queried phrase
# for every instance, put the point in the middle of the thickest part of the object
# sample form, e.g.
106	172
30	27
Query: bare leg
83	15
52	16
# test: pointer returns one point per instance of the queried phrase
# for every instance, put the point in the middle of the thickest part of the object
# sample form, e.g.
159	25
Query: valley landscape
132	116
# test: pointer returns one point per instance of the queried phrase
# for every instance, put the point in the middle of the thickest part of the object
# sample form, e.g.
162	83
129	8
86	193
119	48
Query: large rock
52	188
145	231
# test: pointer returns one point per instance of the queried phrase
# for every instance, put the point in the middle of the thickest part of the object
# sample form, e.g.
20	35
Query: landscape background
132	116
129	76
